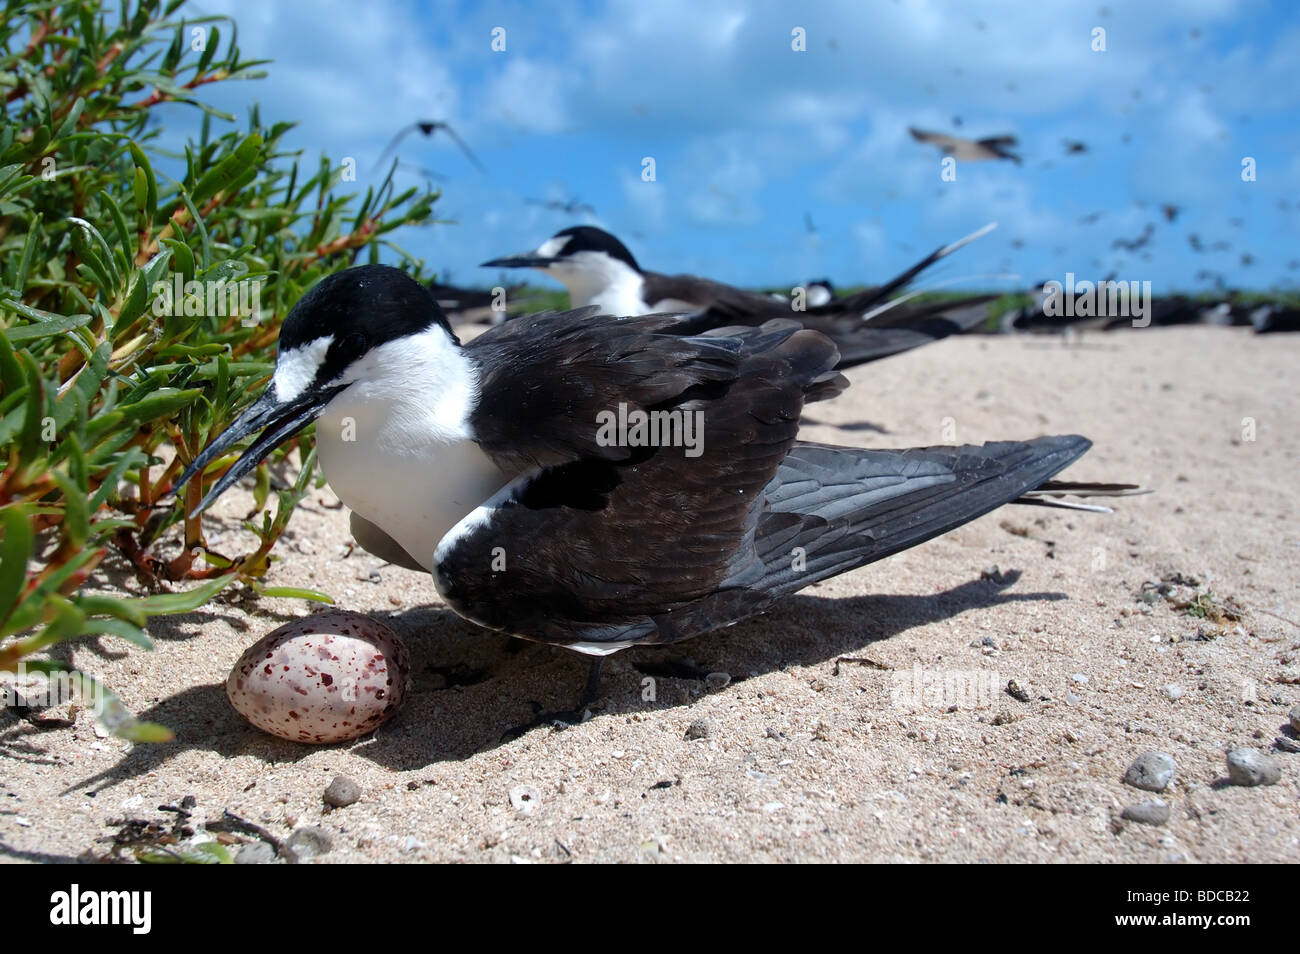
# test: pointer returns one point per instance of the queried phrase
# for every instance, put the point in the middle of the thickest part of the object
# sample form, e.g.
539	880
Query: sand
915	752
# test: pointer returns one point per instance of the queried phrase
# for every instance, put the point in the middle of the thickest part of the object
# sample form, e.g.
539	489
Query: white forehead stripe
295	370
551	247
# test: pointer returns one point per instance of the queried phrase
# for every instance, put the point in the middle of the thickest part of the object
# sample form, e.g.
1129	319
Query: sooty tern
488	464
969	150
427	127
573	206
599	270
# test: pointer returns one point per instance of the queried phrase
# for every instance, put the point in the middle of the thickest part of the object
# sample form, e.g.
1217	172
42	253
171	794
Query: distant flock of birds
469	304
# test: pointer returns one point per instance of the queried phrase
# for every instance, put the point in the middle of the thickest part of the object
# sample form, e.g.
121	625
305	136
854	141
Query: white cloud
531	95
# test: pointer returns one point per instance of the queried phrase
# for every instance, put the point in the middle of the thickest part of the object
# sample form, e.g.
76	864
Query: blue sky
749	135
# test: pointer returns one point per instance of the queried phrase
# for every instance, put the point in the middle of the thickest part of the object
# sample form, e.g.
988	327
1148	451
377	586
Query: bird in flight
969	150
428	127
573	206
1134	244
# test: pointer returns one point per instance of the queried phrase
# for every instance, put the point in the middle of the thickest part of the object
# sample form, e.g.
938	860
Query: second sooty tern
598	270
494	464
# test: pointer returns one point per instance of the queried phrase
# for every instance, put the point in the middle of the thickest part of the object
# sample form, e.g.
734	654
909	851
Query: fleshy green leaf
296	592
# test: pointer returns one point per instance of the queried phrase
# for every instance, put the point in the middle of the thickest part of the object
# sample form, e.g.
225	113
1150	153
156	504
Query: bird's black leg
573	717
592	692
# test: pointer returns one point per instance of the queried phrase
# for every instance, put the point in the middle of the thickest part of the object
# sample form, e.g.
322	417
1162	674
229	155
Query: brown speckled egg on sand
326	678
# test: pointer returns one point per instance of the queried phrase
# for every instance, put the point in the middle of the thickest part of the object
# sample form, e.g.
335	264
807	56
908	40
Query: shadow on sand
470	687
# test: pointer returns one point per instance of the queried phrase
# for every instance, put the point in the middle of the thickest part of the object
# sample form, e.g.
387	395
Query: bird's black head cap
588	238
361	308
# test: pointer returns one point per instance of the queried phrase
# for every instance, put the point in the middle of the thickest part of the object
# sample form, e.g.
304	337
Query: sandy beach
837	736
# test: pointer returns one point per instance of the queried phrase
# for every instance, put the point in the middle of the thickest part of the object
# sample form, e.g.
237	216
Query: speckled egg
327	678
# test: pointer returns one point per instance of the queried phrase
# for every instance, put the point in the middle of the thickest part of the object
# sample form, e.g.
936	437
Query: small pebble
1080	678
1248	767
1151	771
699	729
1284	744
342	792
1153	812
1017	691
1175	692
524	798
255	853
718	680
1294	716
310	841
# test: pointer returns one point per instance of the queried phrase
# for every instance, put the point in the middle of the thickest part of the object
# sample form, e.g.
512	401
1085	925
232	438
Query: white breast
593	278
415	500
396	448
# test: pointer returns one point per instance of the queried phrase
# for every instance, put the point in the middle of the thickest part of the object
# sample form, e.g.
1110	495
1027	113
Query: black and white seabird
820	292
598	270
427	128
574	206
490	464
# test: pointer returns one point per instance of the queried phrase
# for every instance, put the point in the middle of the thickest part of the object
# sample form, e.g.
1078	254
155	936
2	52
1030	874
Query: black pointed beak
278	420
527	260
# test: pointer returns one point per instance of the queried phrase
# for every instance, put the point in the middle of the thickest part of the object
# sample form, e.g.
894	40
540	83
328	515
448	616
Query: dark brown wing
546	379
601	547
889	331
598	556
726	304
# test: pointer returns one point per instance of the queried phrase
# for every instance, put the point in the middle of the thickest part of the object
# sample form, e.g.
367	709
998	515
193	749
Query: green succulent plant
117	361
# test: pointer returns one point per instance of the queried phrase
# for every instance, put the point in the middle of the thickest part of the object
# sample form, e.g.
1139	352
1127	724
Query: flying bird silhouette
428	127
1134	244
568	206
